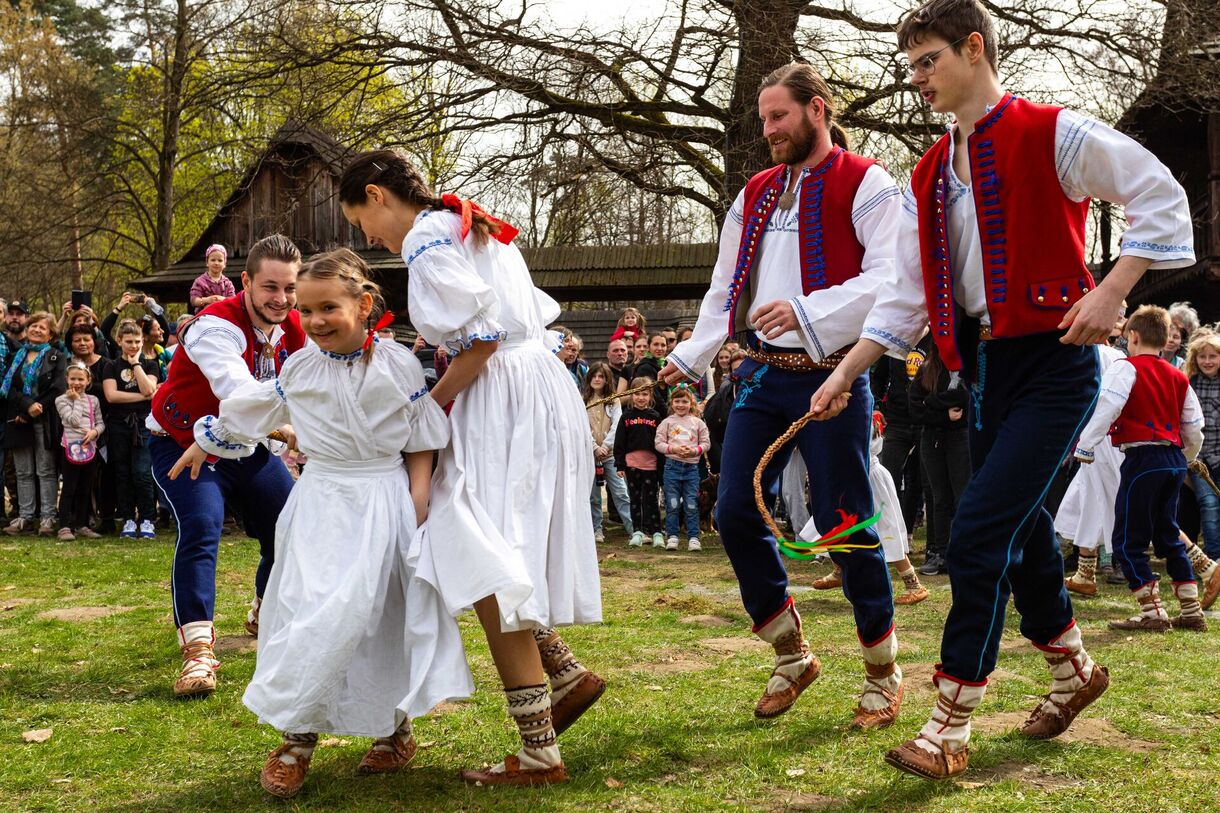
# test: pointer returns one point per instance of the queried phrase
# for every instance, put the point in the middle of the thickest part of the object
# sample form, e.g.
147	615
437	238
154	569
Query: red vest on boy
830	252
1153	412
1032	234
187	394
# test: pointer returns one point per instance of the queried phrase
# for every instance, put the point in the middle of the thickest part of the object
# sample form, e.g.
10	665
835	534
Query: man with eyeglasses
991	252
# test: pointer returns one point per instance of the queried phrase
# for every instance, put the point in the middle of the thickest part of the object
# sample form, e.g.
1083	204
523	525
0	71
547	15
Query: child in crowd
1148	409
891	528
130	383
631	326
603	423
682	437
80	414
1203	370
637	460
349	640
212	285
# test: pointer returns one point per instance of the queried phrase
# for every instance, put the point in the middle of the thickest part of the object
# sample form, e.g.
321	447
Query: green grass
675	731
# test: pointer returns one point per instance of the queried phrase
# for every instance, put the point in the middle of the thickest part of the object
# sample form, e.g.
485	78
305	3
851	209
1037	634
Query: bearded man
811	240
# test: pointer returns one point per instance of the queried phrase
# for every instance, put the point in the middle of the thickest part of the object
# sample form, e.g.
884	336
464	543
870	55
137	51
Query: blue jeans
617	488
1032	397
681	485
769	400
258	484
1209	511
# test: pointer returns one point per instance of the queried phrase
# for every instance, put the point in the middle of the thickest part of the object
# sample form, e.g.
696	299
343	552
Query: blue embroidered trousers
258	484
769	401
1031	398
1146	510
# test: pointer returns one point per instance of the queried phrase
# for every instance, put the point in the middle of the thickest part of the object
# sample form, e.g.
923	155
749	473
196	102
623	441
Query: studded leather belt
985	333
797	361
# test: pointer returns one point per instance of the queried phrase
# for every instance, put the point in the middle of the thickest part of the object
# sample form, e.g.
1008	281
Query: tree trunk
766	41
167	155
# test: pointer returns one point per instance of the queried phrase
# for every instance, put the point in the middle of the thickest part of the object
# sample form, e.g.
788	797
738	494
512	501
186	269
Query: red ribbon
385	321
467	210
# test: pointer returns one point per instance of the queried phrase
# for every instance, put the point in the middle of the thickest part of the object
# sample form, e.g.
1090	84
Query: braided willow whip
828	542
1200	468
618	395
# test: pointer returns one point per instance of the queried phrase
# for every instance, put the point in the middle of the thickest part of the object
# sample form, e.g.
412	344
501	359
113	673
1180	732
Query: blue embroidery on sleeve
415	396
210	435
887	338
458	345
280	391
440	241
1158	247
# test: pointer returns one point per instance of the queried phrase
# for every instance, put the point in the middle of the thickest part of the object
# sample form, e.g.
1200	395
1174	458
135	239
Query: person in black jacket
33	380
650	367
637	459
938	401
891	382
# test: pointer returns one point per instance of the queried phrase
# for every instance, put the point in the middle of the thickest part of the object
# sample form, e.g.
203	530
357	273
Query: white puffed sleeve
451	305
428	424
246	417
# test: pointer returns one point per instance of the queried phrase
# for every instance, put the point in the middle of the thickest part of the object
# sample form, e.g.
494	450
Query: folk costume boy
232	342
991	252
1149	411
803	252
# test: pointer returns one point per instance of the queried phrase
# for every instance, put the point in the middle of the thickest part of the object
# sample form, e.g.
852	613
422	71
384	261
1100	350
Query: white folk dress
510	497
1086	513
350	641
891	528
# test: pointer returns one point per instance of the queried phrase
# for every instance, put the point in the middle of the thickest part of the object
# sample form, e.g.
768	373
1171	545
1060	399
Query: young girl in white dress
891	528
510	531
350	641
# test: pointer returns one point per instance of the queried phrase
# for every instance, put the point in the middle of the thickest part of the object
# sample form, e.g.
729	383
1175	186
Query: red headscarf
467	209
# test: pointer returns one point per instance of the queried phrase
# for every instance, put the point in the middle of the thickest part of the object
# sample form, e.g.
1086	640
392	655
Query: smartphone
138	297
80	298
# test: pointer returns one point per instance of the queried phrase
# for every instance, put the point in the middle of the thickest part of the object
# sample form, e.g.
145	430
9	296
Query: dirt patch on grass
676	664
236	643
706	620
804	801
1086	730
81	614
731	646
1019	772
14	603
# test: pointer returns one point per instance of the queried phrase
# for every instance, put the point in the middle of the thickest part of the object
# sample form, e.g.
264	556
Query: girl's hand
72	395
193	459
955	413
620	474
90	436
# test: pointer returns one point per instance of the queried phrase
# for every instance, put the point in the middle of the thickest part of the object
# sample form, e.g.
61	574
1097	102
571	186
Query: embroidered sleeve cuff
481	329
683	366
1163	255
214	439
1084	455
896	345
809	337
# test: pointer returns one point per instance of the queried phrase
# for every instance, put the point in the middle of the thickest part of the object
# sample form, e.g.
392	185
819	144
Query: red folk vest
1032	234
830	252
1153	411
187	395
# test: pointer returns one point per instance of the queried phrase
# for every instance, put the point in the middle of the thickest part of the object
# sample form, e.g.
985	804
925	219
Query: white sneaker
658	541
637	539
19	526
147	531
671	543
693	544
599	536
129	530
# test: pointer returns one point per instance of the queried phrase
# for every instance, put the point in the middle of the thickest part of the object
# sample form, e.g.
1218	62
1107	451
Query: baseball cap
19	305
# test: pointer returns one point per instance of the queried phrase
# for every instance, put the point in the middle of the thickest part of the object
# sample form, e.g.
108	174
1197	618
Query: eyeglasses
926	64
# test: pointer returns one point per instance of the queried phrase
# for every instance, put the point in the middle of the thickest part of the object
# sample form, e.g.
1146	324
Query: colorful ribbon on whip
467	209
827	542
385	321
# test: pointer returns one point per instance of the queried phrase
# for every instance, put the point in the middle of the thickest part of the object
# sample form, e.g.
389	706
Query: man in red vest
991	253
231	342
811	241
1149	411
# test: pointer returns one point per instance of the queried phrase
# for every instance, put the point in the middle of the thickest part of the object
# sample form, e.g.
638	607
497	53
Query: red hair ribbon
385	321
467	210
